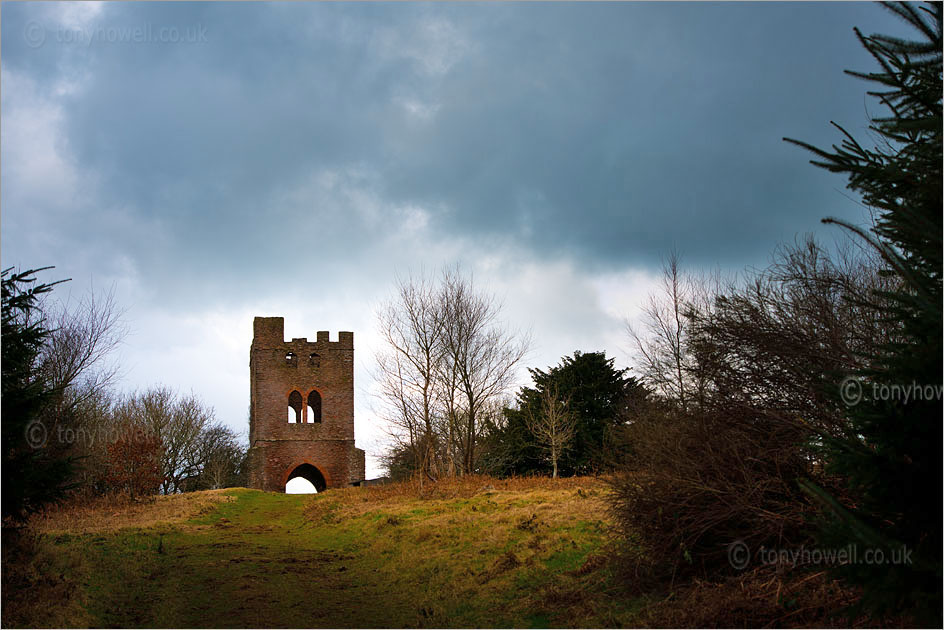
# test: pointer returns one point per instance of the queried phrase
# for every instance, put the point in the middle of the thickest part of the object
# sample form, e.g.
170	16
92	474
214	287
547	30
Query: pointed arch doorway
305	479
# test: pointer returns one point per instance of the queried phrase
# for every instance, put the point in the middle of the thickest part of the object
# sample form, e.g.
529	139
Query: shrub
725	467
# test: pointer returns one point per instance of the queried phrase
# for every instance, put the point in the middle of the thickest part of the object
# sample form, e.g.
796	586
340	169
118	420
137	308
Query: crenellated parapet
269	332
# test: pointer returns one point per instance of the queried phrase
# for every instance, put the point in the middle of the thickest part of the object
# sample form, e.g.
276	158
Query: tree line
65	427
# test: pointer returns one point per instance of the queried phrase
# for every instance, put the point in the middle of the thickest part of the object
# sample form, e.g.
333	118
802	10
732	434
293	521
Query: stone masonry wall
277	368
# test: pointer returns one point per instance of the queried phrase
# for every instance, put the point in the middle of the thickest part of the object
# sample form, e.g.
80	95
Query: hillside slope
478	552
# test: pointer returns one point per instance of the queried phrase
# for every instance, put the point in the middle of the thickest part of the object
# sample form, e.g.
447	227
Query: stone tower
301	409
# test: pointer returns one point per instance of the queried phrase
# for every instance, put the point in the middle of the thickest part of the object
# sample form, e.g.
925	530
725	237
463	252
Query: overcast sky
213	162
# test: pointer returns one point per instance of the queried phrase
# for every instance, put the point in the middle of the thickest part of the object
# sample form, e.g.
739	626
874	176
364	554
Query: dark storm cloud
604	132
220	161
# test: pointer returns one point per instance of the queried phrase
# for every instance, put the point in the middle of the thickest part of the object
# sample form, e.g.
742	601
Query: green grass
353	558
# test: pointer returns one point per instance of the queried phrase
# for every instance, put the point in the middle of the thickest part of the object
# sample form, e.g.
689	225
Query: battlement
269	332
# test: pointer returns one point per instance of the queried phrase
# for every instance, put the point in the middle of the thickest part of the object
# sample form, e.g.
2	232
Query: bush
694	484
725	467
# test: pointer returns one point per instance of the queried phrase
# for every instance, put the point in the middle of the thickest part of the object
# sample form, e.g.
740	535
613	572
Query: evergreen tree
598	395
33	472
891	454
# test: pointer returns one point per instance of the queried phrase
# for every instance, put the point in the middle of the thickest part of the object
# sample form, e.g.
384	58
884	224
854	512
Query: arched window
314	360
294	407
291	358
314	406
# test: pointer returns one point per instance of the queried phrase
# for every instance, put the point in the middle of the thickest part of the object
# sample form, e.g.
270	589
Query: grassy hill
473	552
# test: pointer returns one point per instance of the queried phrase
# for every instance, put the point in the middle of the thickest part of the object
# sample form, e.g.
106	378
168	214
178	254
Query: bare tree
178	424
766	350
662	344
446	357
75	361
553	426
412	331
479	357
76	365
221	453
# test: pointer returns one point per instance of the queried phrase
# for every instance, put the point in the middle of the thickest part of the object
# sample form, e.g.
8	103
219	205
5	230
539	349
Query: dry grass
472	552
83	515
357	500
479	551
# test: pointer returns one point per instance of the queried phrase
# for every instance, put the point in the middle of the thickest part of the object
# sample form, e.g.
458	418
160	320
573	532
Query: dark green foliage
34	472
891	452
599	395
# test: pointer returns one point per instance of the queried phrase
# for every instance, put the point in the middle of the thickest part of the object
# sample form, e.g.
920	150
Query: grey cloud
295	160
606	133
